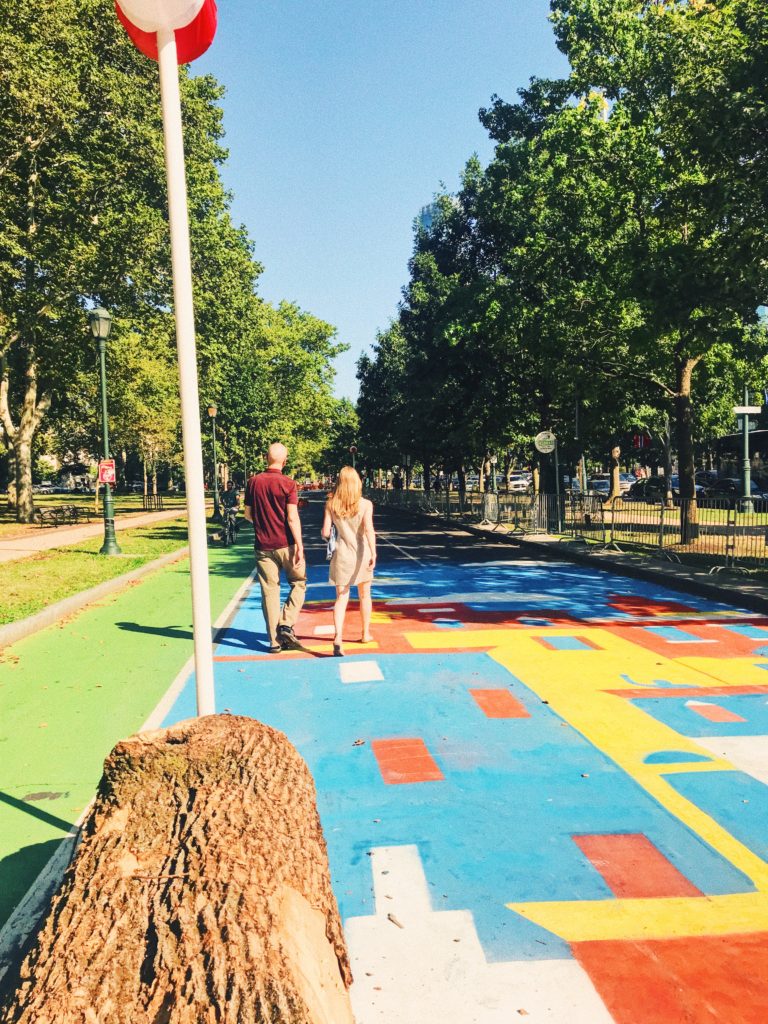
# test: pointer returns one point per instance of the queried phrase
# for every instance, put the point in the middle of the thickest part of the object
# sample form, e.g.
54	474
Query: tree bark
20	435
685	454
200	892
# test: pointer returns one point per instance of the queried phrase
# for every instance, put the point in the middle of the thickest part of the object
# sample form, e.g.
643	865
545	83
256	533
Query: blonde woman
354	557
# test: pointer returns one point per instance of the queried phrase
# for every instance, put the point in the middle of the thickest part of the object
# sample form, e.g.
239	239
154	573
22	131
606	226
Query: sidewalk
61	536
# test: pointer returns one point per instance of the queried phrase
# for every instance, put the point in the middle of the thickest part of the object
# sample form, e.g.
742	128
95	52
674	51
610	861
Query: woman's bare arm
370	533
325	532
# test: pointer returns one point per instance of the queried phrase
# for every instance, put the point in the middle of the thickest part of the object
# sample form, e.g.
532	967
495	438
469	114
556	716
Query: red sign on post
107	471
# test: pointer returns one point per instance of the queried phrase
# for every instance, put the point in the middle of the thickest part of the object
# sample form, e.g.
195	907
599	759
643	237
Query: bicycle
230	527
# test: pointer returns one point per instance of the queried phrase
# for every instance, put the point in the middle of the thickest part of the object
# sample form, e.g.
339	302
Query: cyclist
230	502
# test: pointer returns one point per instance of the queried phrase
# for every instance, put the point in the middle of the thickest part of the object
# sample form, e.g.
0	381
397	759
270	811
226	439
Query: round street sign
545	442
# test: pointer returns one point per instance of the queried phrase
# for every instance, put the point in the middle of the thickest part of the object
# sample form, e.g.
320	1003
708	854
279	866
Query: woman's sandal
337	651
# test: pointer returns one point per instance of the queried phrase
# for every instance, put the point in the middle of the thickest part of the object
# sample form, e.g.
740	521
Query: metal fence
715	532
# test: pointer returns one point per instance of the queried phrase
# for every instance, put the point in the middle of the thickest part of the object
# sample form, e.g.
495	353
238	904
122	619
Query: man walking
272	505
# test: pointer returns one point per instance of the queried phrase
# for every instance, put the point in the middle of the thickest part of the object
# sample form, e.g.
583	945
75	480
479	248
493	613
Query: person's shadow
236	639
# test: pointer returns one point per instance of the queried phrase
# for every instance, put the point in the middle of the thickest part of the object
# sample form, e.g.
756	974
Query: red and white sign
107	471
192	21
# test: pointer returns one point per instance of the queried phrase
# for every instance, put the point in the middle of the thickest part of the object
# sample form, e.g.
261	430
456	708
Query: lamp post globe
212	410
100	322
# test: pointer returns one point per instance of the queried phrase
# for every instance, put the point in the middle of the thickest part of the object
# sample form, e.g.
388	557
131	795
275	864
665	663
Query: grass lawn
29	584
125	504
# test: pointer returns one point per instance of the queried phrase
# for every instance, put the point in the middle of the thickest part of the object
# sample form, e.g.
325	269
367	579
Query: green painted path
70	692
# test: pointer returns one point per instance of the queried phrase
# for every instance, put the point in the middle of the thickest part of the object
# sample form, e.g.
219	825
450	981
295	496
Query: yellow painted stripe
591	920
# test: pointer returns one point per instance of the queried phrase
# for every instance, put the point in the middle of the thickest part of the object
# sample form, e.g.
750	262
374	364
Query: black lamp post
216	507
101	322
353	453
494	461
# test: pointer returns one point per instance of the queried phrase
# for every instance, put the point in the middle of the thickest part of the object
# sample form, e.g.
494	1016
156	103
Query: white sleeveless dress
350	563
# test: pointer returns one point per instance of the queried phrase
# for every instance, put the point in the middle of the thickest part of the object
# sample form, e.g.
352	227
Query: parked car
625	481
599	486
44	487
519	483
706	477
653	489
729	492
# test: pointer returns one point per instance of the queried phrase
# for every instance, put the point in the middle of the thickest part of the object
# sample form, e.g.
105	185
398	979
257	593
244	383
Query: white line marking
402	551
324	630
360	672
433	967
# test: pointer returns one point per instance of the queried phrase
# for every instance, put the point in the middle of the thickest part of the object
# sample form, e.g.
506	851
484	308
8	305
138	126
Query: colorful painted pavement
543	790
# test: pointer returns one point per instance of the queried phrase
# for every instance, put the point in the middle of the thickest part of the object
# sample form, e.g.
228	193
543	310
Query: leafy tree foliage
84	219
611	256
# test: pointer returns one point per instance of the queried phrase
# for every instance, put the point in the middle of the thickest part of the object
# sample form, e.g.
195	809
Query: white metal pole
185	342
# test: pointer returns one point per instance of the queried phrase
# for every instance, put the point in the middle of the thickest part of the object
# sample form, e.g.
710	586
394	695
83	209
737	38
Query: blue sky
343	118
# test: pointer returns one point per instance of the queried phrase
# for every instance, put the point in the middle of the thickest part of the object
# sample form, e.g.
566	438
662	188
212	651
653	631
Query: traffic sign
545	442
749	410
107	473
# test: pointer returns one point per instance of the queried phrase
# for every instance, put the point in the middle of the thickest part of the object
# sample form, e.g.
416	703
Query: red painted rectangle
645	607
405	760
715	713
499	704
633	868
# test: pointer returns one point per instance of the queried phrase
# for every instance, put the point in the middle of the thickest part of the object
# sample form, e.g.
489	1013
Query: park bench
60	515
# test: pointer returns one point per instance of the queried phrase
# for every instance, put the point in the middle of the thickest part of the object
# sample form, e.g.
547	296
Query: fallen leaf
393	919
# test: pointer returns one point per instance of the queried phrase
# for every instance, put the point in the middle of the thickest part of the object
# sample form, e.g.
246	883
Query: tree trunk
666	440
21	435
154	479
13	486
685	456
427	476
200	892
144	471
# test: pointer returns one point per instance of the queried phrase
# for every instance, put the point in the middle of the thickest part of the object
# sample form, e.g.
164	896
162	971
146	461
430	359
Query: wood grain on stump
200	892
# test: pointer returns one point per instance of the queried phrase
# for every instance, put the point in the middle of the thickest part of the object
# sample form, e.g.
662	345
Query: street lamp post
101	322
216	507
353	453
746	503
494	486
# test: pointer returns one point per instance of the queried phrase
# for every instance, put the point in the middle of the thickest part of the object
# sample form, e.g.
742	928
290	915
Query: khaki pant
268	567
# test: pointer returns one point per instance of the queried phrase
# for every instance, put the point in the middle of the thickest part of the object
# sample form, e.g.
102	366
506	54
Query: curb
15	631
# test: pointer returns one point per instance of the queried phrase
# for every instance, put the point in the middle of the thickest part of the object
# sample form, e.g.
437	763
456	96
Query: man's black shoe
275	649
287	639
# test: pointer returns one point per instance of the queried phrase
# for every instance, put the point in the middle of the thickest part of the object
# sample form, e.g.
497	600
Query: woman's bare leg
364	595
339	611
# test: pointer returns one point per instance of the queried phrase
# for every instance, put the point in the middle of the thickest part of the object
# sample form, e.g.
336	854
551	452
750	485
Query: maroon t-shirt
269	494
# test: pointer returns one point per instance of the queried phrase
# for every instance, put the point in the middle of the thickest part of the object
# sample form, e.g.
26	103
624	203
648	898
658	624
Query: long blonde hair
345	500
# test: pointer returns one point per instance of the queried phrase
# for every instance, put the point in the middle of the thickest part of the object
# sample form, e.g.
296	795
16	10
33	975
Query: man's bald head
277	456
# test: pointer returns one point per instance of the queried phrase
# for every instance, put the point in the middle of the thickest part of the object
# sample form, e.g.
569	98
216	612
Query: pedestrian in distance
272	505
354	556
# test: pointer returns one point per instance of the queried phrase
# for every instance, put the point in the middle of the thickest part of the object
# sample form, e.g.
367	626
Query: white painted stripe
747	753
433	610
167	701
324	630
416	965
360	672
397	547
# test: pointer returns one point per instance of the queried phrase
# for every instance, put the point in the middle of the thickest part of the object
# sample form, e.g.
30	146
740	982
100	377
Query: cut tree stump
200	892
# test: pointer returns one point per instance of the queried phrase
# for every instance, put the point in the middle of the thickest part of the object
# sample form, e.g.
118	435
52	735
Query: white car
519	483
